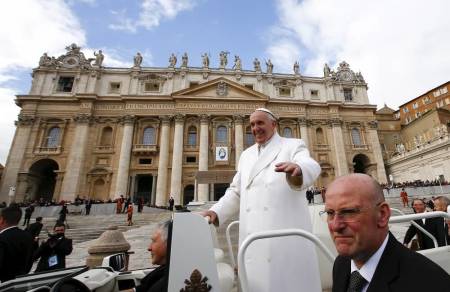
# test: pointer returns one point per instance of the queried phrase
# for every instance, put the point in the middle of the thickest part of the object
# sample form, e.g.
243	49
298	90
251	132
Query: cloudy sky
401	47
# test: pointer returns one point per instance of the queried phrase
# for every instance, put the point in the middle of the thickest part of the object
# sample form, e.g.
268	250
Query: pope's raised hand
288	167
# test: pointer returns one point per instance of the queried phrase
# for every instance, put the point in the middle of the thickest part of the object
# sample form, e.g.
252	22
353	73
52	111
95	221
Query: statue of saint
257	65
184	60
237	63
205	60
172	60
296	68
269	67
99	57
223	59
326	70
45	60
137	60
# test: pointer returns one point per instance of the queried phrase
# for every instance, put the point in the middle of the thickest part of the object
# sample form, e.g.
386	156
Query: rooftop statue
172	60
99	57
269	67
184	60
257	65
223	59
137	60
237	63
205	60
296	68
326	70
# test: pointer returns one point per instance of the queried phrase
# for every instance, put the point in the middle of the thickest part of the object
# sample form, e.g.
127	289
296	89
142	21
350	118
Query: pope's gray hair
163	228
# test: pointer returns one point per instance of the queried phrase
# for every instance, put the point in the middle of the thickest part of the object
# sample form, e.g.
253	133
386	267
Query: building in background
438	97
98	132
415	139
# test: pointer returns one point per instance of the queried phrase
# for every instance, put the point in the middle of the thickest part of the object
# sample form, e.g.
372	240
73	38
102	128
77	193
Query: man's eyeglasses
345	215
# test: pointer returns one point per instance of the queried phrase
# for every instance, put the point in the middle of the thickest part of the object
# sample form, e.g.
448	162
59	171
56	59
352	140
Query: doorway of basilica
42	179
188	194
360	163
144	187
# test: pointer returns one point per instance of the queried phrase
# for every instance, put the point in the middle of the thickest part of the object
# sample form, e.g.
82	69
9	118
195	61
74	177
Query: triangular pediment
222	88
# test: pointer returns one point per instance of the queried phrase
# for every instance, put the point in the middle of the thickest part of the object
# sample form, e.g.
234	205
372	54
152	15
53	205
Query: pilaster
377	153
238	137
177	159
339	147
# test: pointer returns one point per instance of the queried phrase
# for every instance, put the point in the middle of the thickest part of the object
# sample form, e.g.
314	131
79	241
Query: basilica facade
92	131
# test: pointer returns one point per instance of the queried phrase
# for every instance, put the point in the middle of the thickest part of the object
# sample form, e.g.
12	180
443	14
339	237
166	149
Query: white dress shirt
368	269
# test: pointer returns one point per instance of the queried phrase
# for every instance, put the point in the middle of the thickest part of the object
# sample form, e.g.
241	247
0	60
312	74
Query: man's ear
384	213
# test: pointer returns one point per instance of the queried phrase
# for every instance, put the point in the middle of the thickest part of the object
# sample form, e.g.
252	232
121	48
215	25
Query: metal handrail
412	217
398	210
270	234
230	248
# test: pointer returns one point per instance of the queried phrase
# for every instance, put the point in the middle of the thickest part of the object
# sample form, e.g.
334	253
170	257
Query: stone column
377	153
339	147
303	124
177	159
161	183
16	155
202	194
153	195
76	157
125	156
238	137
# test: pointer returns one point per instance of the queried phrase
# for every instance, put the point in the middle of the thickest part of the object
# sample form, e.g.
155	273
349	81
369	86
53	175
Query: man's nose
336	224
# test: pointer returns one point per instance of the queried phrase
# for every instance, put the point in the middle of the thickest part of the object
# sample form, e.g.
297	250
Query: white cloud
28	29
401	47
151	14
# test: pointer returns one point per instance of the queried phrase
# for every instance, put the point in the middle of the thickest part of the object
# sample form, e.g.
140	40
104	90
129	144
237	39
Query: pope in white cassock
269	191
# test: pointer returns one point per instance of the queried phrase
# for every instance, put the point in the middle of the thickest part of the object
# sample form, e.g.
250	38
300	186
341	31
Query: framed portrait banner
221	153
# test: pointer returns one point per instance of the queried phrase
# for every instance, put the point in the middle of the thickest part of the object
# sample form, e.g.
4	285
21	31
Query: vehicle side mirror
116	261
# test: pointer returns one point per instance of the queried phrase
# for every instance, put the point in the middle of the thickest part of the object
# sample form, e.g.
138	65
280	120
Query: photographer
53	252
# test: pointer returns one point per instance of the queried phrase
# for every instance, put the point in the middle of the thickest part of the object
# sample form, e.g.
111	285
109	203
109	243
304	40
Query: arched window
356	137
221	134
319	136
149	136
192	136
249	138
106	139
53	137
287	132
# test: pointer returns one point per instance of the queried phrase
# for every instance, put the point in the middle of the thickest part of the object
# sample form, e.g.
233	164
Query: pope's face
262	126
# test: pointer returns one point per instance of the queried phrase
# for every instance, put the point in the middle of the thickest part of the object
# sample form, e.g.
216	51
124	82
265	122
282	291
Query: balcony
321	147
48	150
145	149
103	149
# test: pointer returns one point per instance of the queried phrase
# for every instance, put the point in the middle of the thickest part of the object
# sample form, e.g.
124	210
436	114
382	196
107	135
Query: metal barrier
270	234
412	217
230	247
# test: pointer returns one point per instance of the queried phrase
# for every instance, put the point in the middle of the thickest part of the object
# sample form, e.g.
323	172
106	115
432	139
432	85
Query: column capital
82	119
25	120
128	119
238	119
204	118
302	121
373	124
335	122
165	120
179	118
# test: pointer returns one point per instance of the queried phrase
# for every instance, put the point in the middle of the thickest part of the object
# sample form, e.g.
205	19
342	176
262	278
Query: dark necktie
356	282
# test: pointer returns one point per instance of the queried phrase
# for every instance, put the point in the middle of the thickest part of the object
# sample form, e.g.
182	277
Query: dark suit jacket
59	247
34	229
15	253
155	281
398	270
433	225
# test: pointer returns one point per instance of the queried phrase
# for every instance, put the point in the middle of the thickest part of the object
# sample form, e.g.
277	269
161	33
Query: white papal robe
269	200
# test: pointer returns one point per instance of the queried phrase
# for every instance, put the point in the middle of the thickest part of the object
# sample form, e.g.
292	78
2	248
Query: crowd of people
415	184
